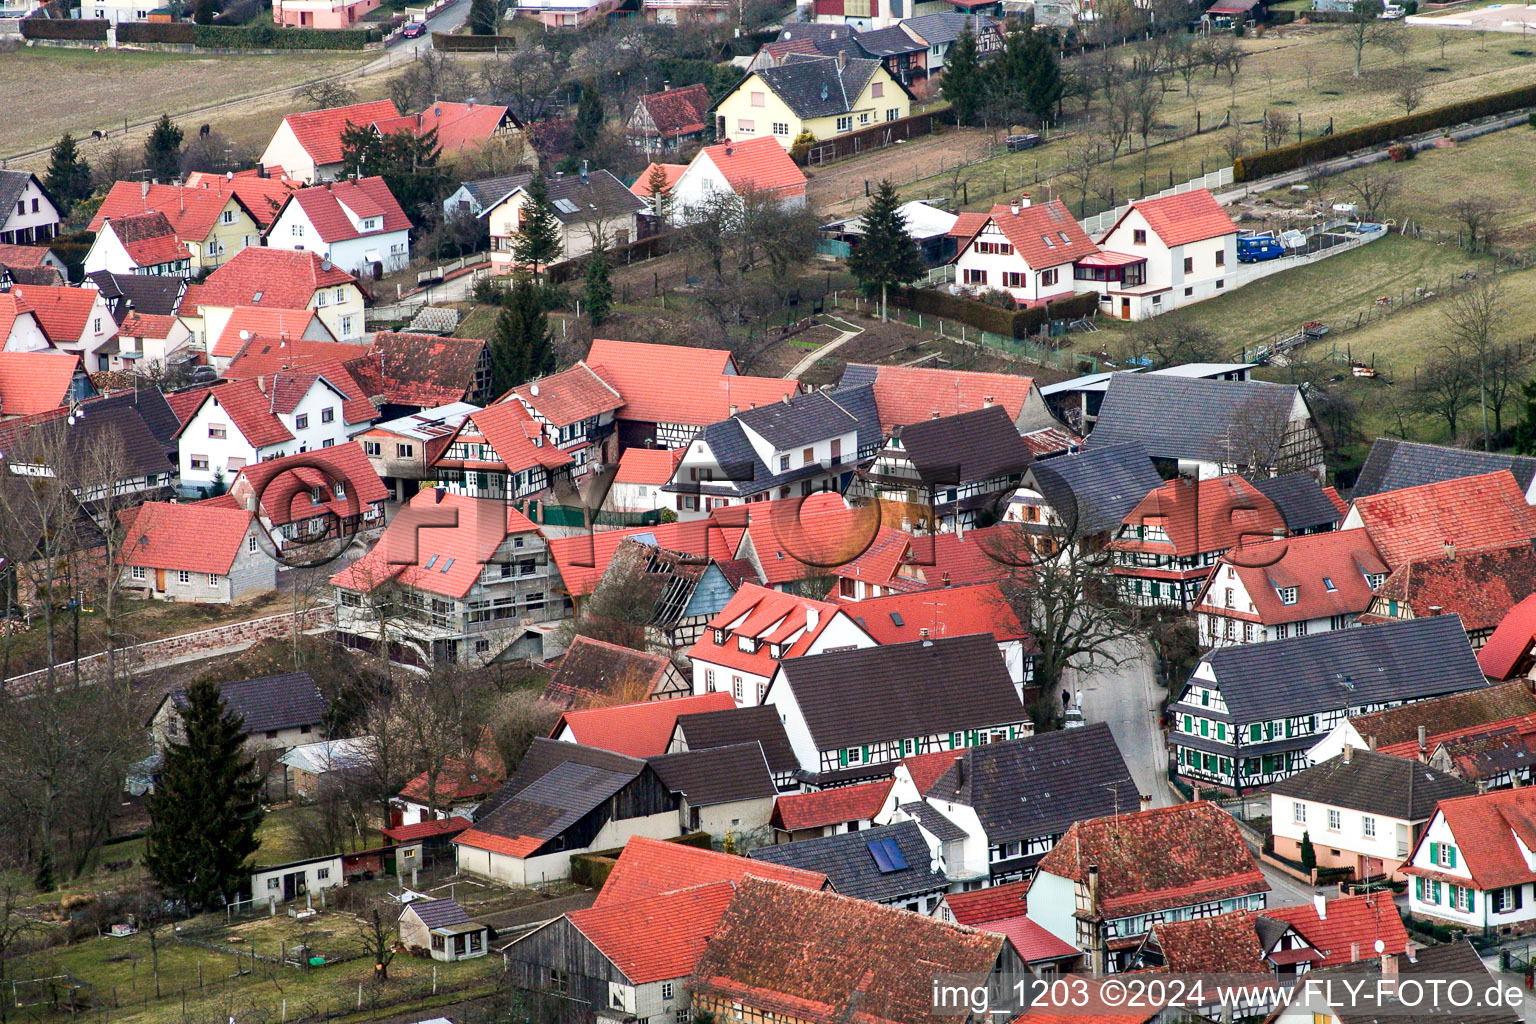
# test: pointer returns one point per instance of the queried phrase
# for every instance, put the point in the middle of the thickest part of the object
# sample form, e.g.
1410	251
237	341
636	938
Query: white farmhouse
1162	254
28	213
1474	867
736	168
1024	249
355	224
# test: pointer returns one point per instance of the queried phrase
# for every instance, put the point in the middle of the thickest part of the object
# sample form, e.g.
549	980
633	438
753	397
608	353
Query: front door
1125	309
293	885
160	580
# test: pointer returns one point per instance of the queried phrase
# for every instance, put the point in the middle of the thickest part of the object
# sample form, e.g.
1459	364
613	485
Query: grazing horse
98	134
202	132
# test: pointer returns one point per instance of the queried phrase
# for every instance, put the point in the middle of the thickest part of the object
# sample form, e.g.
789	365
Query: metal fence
1213	180
1022	349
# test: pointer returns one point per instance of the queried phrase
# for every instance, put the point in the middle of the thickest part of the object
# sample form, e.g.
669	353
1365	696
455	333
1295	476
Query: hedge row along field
261	36
1009	323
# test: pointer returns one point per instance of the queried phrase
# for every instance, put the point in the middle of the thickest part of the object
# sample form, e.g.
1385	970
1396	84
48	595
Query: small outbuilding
443	929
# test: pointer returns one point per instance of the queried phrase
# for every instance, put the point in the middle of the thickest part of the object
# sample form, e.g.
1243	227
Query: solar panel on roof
887	856
566	206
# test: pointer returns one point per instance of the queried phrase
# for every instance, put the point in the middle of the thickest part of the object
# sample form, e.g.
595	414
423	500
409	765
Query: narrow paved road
849	332
1127	697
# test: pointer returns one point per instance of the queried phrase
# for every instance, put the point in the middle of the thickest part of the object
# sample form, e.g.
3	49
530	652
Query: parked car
415	30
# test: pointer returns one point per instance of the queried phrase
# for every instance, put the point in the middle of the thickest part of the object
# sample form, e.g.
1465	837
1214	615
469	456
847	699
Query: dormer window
1375	579
747	643
371	224
1287	595
719	638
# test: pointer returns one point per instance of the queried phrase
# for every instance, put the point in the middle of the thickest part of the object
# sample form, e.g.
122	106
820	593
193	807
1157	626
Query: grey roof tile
887	42
1301	501
933	822
717	775
859	401
270	703
1094	490
1190	417
968	448
800	421
439	913
1396	787
937	29
814	86
759	723
600	196
847	861
544	756
488	191
1393	465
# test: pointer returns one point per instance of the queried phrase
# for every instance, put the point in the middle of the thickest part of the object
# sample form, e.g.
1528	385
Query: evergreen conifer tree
886	254
206	806
1043	86
599	289
162	150
69	175
538	242
483	16
962	83
522	346
659	195
589	116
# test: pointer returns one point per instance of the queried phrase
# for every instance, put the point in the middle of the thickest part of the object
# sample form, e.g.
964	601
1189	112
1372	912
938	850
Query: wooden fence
865	140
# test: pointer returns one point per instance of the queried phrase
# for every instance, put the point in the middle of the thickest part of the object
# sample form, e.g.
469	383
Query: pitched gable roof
658	937
1510	643
1214	514
570	396
1191	417
910	394
653	466
813	85
704	730
1445	714
1480	586
326	208
34	382
285	484
584	558
1327	572
319	131
641	186
636	730
594	672
62	311
269	703
195	537
826	807
1393	464
1304	504
147	238
1349	927
517	440
1147	863
756	165
1486	827
192	212
716	775
1467	513
1183	218
248	408
266	277
945	611
994	903
1376	783
678	111
772	617
968	447
650	866
262	196
459	126
680	384
426	370
1042	234
848	860
1092	491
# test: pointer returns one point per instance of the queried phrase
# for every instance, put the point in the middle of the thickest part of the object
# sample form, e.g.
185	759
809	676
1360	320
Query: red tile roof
795	811
794	538
653	466
647	867
263	357
148	238
582	559
1215	514
458	782
994	903
636	730
23	255
1032	941
656	938
1042	234
425	829
1352	924
185	402
262	197
12	308
1147	863
327	207
191	537
927	769
437	545
678	111
1510	643
967	224
1205	945
569	396
270	278
319	131
909	394
250	410
193	213
285	483
943	611
770	616
270	325
1486	828
1183	218
1385	729
459	126
146	325
518	440
63	312
642	185
1309	564
425	370
33	382
756	165
521	846
1480	586
680	384
1470	513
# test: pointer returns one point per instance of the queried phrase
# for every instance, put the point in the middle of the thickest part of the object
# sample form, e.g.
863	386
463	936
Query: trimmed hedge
156	32
1300	154
472	44
266	36
48	28
1010	323
1077	306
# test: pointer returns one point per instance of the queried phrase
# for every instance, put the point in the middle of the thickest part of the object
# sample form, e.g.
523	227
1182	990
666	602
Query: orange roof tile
675	112
249	409
567	397
1510	642
756	165
186	401
1215	514
1486	827
649	866
63	312
773	617
927	769
653	466
459	126
656	938
268	324
1042	234
680	384
148	238
12	308
439	545
319	131
146	325
795	811
193	213
1183	218
910	394
522	846
793	538
671	172
263	356
262	197
327	207
425	829
1092	1007
193	537
518	440
944	611
582	559
994	903
1350	929
34	382
270	278
284	484
636	730
1470	513
1340	559
23	255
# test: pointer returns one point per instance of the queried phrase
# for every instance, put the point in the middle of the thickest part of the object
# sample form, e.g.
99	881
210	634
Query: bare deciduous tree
1408	88
327	93
1474	316
1481	216
1445	385
1276	127
1080	158
1373	187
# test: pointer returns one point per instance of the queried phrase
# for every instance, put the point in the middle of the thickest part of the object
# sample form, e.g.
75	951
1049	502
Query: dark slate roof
934	822
946	28
544	756
554	792
140	420
857	375
967	448
759	723
859	402
946	685
439	913
272	702
847	862
887	42
600	196
1454	960
800	421
814	30
814	86
1396	787
1191	417
1301	500
1393	465
149	294
717	775
1040	785
745	471
12	185
1102	485
1392	662
488	191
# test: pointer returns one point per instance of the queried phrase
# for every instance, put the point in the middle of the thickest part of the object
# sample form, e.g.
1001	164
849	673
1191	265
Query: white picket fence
1103	221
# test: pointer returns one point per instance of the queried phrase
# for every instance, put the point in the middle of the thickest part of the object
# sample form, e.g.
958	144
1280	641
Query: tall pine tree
522	346
206	806
162	150
962	84
483	16
69	175
886	255
589	116
538	242
599	289
1043	87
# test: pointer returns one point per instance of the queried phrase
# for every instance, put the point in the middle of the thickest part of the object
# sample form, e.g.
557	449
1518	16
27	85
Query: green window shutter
1205	727
1418	887
1221	730
842	758
865	753
1189	724
1434	853
1451	850
1253	733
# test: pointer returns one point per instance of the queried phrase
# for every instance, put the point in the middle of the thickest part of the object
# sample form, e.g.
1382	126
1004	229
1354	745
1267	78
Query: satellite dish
1380	947
245	335
533	389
